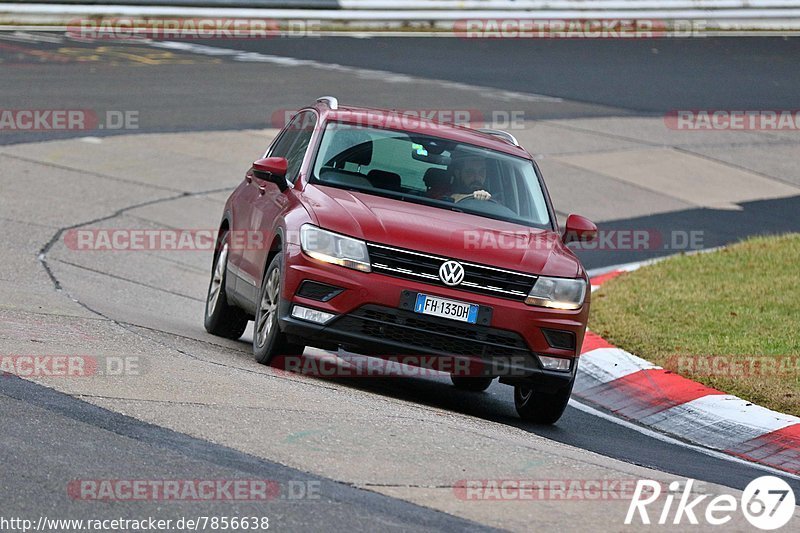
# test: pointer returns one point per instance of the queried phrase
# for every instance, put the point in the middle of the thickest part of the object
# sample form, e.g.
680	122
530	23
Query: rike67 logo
767	503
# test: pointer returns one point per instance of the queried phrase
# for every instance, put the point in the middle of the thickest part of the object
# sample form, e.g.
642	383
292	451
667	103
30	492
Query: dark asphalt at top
601	77
636	77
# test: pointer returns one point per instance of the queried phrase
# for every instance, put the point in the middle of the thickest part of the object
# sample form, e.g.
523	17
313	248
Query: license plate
433	305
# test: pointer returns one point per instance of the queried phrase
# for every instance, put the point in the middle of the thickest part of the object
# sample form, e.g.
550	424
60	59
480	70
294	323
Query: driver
469	177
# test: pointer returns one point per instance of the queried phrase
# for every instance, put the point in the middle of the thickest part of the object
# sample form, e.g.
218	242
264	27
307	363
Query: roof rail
332	102
502	134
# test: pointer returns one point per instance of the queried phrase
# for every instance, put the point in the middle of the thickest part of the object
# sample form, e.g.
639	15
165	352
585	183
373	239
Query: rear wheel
472	384
221	318
541	407
268	341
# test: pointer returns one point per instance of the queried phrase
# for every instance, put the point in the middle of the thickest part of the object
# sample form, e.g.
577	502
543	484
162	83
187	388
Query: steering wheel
490	206
466	198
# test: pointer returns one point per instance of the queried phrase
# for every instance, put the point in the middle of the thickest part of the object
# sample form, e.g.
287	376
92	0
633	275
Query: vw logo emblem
451	273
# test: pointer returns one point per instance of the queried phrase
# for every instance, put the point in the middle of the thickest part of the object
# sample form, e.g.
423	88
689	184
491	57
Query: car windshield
433	171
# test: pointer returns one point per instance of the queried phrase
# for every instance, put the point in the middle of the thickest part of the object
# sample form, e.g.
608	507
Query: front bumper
373	317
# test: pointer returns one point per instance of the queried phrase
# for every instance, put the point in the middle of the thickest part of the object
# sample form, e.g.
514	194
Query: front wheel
541	407
268	340
221	318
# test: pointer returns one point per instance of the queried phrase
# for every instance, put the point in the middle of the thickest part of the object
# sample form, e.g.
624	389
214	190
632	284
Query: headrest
435	177
383	179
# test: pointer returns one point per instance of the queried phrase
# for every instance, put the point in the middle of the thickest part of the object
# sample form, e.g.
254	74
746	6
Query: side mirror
273	170
579	229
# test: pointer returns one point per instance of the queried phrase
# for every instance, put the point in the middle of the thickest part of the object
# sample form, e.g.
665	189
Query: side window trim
280	138
274	144
299	117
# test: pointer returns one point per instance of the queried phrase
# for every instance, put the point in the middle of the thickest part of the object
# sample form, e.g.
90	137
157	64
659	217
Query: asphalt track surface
54	432
637	76
601	76
200	92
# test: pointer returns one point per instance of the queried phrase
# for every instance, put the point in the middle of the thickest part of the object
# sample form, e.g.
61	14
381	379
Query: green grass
741	303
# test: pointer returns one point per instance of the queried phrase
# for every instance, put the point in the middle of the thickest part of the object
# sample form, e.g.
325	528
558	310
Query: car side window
284	142
293	142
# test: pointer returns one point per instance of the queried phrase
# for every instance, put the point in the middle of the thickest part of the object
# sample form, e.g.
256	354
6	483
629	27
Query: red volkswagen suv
388	234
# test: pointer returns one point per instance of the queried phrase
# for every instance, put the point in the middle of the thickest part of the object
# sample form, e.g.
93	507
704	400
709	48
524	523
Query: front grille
431	333
425	267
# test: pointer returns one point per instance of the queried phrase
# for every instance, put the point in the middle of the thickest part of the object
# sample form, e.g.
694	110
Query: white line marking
25	37
390	77
669	440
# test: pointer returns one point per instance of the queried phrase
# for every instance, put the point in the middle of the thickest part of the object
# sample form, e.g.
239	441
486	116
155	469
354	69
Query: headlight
334	248
558	293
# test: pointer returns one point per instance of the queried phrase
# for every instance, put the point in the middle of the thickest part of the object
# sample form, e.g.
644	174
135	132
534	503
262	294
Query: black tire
221	318
541	407
472	384
268	340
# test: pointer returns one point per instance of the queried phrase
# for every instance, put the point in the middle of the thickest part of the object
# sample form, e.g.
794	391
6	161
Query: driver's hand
481	195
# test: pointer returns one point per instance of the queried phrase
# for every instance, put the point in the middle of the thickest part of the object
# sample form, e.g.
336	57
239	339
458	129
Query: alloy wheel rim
268	308
215	288
525	393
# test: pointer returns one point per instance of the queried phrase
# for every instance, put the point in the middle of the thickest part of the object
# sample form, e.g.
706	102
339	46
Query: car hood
440	231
